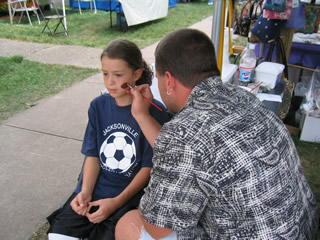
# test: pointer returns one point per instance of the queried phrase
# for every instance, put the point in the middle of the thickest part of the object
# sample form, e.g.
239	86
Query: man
225	166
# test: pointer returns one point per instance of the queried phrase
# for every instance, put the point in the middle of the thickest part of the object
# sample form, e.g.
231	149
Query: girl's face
115	73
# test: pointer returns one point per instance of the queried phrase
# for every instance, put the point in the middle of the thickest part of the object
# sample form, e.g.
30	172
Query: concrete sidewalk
40	147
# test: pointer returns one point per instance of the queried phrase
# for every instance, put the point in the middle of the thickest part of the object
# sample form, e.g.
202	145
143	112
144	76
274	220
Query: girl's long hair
130	53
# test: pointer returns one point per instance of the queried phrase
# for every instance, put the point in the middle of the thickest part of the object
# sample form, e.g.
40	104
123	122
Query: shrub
3	7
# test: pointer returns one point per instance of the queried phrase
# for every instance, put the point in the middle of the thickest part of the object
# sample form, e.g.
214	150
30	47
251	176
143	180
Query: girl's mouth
111	90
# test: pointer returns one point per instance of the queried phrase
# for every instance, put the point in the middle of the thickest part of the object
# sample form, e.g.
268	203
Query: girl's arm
136	185
90	174
108	205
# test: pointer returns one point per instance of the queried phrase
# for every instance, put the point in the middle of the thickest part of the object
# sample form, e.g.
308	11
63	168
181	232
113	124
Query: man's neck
181	93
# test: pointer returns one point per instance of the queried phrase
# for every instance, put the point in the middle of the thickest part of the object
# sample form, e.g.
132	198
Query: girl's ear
137	74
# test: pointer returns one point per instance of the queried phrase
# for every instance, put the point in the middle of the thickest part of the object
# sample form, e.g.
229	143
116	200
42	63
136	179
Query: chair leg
54	31
29	18
20	17
110	10
60	21
47	26
57	26
65	30
37	16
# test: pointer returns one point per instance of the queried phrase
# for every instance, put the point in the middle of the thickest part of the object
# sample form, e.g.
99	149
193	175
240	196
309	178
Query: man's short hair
188	54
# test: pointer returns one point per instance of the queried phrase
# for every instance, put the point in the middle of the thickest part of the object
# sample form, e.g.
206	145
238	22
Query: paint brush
256	87
126	85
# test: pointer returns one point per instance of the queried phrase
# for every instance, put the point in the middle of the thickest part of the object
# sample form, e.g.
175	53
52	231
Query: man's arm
150	128
140	111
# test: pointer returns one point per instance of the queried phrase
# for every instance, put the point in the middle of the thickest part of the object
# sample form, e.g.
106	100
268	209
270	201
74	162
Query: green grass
24	83
94	30
310	159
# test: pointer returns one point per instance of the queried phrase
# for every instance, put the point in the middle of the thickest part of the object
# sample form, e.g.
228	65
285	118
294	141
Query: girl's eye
105	74
118	75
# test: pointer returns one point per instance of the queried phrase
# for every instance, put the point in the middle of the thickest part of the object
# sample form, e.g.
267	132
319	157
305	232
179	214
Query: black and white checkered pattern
225	167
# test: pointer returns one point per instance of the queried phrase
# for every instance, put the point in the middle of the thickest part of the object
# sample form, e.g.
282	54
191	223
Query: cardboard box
310	129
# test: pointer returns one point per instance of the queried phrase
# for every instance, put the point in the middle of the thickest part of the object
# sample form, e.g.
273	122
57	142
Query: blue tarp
105	5
172	3
102	5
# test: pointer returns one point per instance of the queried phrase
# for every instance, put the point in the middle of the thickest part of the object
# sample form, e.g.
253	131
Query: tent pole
64	14
221	35
216	25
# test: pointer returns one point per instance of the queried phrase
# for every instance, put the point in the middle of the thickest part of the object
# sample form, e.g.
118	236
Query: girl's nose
109	79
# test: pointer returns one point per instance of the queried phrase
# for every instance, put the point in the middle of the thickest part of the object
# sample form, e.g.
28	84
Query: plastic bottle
247	65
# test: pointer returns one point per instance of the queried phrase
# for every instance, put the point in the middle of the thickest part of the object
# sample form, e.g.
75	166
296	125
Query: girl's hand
105	208
80	203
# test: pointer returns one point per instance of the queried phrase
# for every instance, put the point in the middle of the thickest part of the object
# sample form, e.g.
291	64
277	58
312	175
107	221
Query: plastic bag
312	96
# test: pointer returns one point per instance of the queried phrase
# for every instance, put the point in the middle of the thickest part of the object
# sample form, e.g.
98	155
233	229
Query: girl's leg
67	223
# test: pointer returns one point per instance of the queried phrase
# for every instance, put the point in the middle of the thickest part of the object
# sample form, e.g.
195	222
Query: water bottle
247	65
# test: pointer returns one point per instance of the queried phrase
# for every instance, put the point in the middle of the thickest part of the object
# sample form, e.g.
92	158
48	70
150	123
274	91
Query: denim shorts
146	236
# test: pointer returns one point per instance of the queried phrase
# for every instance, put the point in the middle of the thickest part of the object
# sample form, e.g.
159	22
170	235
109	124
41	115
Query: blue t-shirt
114	136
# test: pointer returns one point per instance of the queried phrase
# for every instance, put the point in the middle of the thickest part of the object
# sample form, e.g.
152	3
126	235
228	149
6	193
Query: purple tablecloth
303	54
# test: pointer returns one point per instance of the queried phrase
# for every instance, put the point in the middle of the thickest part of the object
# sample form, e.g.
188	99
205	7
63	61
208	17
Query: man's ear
137	74
171	80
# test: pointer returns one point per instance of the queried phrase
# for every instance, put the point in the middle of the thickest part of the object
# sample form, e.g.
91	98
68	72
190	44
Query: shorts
67	222
146	236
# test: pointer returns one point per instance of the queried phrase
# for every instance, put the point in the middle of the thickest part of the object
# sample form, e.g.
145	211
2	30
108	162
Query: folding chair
22	6
115	6
59	19
88	2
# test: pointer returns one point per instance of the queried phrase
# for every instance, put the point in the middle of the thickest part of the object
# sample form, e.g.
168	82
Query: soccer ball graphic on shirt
118	152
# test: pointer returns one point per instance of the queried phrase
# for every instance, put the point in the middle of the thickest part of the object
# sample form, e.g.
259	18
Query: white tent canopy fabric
137	11
140	11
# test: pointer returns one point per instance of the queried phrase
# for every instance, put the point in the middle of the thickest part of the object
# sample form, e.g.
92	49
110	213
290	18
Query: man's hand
140	106
105	208
80	203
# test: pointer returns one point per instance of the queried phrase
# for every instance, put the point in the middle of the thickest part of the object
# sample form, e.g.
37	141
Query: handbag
250	12
284	15
297	19
256	12
275	5
266	29
281	58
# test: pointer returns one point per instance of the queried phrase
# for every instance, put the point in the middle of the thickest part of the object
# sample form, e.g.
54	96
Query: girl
118	157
